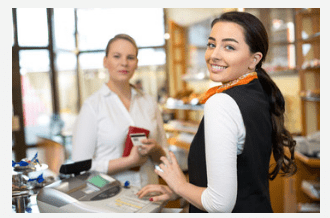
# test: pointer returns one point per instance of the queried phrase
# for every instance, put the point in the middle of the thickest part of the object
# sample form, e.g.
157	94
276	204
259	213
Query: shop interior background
60	54
57	62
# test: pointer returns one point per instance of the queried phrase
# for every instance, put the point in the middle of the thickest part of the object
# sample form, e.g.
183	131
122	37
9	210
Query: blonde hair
121	36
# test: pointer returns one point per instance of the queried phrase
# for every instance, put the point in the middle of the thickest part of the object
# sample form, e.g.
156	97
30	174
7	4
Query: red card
129	143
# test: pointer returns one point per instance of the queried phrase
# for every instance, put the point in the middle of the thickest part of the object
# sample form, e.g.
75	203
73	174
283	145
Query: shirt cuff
100	166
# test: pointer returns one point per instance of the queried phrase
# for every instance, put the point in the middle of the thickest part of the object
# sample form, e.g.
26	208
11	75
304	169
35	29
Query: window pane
199	33
36	94
92	72
64	28
151	57
34	61
151	79
97	26
67	83
66	61
91	60
32	27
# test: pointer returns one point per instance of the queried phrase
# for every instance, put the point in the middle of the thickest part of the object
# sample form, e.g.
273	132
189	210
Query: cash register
91	191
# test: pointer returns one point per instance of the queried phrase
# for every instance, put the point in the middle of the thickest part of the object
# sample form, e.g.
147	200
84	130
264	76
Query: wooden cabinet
308	65
290	194
298	198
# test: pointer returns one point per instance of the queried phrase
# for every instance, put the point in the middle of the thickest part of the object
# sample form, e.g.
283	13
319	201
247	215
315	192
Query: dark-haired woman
242	125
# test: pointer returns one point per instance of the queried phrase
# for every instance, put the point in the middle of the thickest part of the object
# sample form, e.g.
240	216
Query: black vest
253	163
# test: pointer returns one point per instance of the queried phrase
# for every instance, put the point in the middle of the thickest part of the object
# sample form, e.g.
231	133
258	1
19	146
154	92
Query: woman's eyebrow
230	39
224	40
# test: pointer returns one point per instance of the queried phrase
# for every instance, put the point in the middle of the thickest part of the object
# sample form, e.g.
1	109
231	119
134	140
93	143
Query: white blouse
102	126
224	140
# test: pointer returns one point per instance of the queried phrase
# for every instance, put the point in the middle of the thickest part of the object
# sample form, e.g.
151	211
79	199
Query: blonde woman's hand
136	158
149	146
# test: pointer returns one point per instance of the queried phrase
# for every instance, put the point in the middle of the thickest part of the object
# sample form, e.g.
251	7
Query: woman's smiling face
227	55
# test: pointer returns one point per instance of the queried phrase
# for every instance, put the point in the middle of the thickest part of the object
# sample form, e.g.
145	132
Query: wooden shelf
309	194
187	107
185	126
176	142
311	39
195	78
313	69
284	72
311	162
312	99
308	208
307	12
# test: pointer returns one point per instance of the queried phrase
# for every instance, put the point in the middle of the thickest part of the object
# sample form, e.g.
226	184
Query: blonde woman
105	117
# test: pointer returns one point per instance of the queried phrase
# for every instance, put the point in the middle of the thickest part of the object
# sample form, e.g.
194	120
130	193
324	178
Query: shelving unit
311	162
308	65
296	197
183	127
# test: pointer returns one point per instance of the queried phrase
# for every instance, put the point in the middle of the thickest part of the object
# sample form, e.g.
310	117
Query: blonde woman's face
227	55
121	61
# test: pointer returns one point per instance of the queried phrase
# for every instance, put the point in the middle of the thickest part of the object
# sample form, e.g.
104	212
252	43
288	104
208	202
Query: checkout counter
88	191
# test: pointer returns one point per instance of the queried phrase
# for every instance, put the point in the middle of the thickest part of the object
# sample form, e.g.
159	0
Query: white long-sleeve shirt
101	129
224	140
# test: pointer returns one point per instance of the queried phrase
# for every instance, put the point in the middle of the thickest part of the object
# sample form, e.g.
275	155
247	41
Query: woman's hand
151	148
136	158
164	193
172	173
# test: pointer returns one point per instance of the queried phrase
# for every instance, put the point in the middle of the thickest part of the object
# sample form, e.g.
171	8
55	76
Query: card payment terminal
92	192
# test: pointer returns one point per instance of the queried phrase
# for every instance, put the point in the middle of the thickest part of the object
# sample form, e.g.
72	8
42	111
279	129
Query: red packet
129	143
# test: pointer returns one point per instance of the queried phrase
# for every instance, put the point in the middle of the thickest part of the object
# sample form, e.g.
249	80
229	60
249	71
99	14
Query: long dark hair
257	39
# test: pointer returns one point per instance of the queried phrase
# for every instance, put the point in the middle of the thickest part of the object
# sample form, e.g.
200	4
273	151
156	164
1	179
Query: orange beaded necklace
242	80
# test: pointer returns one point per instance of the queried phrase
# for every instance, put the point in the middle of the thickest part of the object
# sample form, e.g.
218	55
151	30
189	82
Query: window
36	93
72	61
95	27
32	30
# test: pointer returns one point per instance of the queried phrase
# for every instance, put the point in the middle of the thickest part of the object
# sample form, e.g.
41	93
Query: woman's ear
256	59
105	62
137	62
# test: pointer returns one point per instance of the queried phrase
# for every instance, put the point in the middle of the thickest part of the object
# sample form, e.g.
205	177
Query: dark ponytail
281	137
257	39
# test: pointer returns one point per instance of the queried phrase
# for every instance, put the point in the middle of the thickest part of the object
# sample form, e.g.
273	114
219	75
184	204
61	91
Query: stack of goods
310	94
187	97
